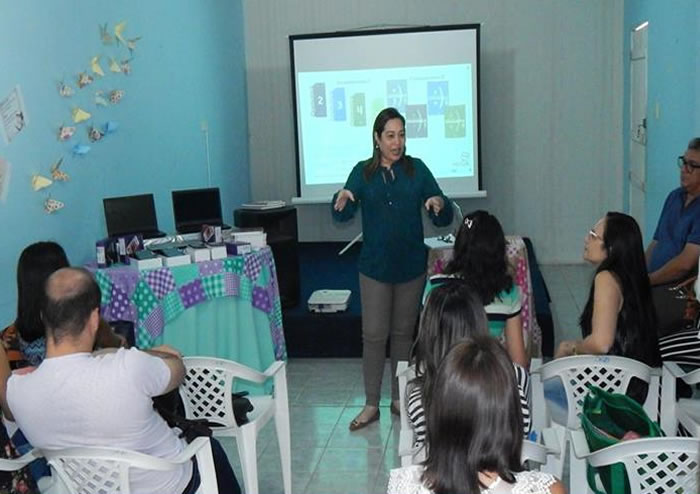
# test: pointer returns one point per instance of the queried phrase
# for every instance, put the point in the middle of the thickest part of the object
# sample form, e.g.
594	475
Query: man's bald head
71	295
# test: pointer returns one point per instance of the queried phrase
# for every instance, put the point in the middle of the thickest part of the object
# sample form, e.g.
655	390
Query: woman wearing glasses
619	317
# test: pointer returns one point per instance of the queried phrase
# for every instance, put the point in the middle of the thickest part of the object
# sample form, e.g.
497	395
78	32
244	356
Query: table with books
228	308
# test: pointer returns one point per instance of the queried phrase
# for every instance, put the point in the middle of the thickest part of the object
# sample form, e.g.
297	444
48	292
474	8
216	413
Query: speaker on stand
282	236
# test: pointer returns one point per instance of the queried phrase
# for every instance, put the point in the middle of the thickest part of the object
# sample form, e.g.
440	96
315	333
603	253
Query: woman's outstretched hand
435	203
342	199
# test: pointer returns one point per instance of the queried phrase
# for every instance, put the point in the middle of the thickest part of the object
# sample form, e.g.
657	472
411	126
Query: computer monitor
193	208
131	214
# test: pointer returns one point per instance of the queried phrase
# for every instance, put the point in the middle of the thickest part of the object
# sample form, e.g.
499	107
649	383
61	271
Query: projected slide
336	110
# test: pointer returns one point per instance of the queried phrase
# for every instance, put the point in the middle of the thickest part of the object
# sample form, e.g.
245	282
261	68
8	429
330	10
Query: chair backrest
655	464
206	391
610	373
99	470
107	470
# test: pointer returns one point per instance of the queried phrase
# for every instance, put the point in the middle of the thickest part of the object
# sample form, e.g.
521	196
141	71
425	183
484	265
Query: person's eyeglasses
689	165
594	235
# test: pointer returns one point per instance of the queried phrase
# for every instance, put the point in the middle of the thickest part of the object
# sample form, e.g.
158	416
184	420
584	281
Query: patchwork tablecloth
154	297
517	256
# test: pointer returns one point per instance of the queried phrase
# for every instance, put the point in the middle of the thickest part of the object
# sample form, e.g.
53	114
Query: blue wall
673	73
188	67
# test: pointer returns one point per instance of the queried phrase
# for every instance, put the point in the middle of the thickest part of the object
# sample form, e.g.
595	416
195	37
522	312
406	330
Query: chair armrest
191	450
201	449
549	440
274	368
239	371
579	444
646	446
692	377
674	369
12	464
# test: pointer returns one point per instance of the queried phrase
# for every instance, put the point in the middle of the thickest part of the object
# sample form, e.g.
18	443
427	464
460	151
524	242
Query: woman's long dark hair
35	264
479	255
452	313
636	336
373	164
474	422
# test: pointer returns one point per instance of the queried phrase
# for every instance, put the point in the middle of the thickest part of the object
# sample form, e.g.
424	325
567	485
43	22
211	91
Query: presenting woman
392	189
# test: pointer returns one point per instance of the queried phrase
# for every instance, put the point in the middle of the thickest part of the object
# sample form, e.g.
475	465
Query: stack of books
261	205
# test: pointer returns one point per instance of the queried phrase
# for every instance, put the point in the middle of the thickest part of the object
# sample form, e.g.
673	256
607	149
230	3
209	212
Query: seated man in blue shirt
672	256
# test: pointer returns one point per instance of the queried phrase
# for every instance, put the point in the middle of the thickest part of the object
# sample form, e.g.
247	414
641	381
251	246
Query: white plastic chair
610	373
684	411
206	394
106	470
654	465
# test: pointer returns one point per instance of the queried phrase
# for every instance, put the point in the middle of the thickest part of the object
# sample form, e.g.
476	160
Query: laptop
131	215
193	208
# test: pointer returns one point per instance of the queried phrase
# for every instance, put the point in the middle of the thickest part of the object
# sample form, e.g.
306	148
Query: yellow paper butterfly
40	182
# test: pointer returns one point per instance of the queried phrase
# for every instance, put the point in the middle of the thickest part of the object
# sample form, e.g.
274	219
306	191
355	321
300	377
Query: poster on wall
13	115
4	179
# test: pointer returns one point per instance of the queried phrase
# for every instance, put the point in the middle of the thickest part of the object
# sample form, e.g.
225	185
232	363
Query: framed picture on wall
13	115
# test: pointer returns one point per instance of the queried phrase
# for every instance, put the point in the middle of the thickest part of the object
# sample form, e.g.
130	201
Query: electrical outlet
204	126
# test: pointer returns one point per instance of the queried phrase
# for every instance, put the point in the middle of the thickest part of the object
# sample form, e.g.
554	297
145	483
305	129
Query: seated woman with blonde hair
474	430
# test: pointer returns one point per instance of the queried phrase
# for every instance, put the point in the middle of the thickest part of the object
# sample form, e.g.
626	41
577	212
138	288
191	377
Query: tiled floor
326	394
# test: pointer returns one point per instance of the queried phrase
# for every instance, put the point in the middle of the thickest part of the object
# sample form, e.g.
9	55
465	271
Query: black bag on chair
241	407
170	407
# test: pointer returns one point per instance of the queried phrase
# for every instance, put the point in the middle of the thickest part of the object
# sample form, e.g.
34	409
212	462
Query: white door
638	123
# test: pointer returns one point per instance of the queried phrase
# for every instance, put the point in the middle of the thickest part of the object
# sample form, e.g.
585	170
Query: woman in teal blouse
392	189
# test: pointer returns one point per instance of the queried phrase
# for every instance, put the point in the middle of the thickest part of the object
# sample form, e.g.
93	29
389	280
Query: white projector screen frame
355	66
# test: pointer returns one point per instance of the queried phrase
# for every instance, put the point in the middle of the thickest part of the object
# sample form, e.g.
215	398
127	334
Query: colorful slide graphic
338	109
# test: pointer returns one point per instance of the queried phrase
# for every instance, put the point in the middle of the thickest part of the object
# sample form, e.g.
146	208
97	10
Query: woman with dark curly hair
479	258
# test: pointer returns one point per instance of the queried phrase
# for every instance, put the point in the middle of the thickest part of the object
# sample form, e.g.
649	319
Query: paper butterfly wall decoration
57	174
126	67
40	182
100	100
114	66
106	38
80	115
52	205
110	127
65	132
119	32
116	96
95	134
84	79
131	44
81	149
95	66
65	90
